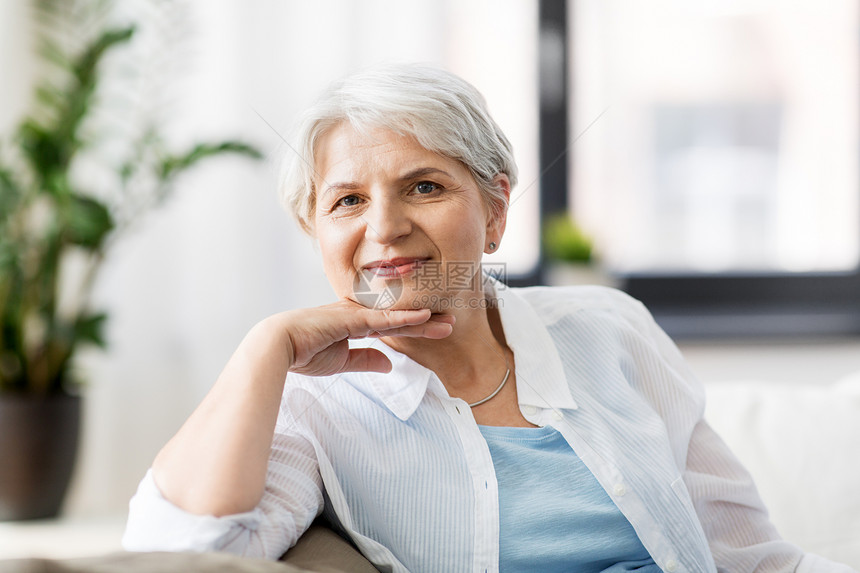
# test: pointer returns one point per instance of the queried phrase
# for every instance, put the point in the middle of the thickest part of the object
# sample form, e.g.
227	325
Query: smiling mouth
393	268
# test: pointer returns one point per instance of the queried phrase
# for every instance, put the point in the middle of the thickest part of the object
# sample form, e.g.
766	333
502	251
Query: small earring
492	246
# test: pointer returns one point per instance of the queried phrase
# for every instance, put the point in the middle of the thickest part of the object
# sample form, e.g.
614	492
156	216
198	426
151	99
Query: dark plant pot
38	446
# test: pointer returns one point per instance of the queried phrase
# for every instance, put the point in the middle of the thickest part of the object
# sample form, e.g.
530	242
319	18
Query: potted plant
570	254
55	228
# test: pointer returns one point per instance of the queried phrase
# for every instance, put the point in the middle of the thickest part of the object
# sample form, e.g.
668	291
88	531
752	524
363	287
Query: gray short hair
443	112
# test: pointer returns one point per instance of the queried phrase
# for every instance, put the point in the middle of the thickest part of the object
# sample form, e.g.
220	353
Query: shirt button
619	490
671	565
530	410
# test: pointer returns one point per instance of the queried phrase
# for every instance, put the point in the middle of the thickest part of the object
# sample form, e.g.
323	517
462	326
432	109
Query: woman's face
390	213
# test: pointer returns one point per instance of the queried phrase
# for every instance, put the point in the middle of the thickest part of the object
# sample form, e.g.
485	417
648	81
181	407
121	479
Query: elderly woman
448	423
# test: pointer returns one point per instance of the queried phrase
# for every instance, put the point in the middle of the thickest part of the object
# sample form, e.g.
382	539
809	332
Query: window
721	181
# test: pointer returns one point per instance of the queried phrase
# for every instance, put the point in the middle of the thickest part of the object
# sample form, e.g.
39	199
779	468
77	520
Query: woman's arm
216	463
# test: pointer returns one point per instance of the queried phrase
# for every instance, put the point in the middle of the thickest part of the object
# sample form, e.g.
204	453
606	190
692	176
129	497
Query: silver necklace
496	391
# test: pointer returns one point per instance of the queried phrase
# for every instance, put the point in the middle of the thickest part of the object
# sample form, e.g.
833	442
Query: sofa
320	550
801	444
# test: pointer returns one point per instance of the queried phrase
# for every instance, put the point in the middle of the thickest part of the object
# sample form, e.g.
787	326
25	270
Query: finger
439	326
368	321
433	330
367	360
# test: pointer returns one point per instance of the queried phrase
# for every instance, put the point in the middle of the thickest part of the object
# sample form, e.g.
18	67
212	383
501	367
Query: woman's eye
348	201
426	187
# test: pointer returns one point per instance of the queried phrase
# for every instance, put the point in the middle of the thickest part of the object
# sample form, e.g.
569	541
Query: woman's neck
473	358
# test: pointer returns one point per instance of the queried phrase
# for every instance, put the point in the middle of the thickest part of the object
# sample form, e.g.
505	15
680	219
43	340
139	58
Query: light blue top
553	514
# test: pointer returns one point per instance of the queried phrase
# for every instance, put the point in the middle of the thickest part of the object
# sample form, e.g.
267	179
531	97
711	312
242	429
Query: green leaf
10	195
86	64
40	148
10	272
90	329
173	165
87	221
51	149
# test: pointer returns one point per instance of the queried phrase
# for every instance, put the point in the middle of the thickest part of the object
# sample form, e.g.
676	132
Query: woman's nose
386	221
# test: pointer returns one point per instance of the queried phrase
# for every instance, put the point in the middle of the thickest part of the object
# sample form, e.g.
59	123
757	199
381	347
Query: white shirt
403	469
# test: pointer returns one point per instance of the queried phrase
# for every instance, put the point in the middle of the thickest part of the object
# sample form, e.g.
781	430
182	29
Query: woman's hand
318	337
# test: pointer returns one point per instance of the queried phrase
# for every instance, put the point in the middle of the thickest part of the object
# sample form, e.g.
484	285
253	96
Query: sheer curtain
193	277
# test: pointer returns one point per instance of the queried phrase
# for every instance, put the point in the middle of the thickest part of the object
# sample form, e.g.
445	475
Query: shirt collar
540	377
541	380
402	389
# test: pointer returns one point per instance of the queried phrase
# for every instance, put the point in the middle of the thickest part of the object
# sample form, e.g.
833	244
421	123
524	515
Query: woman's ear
497	216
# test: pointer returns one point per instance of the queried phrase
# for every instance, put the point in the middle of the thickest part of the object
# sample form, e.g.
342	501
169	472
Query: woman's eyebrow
422	172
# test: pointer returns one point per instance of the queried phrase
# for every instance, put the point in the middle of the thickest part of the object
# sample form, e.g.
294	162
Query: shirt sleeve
292	499
730	510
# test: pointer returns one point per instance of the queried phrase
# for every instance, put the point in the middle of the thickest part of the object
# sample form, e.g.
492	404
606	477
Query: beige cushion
321	549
